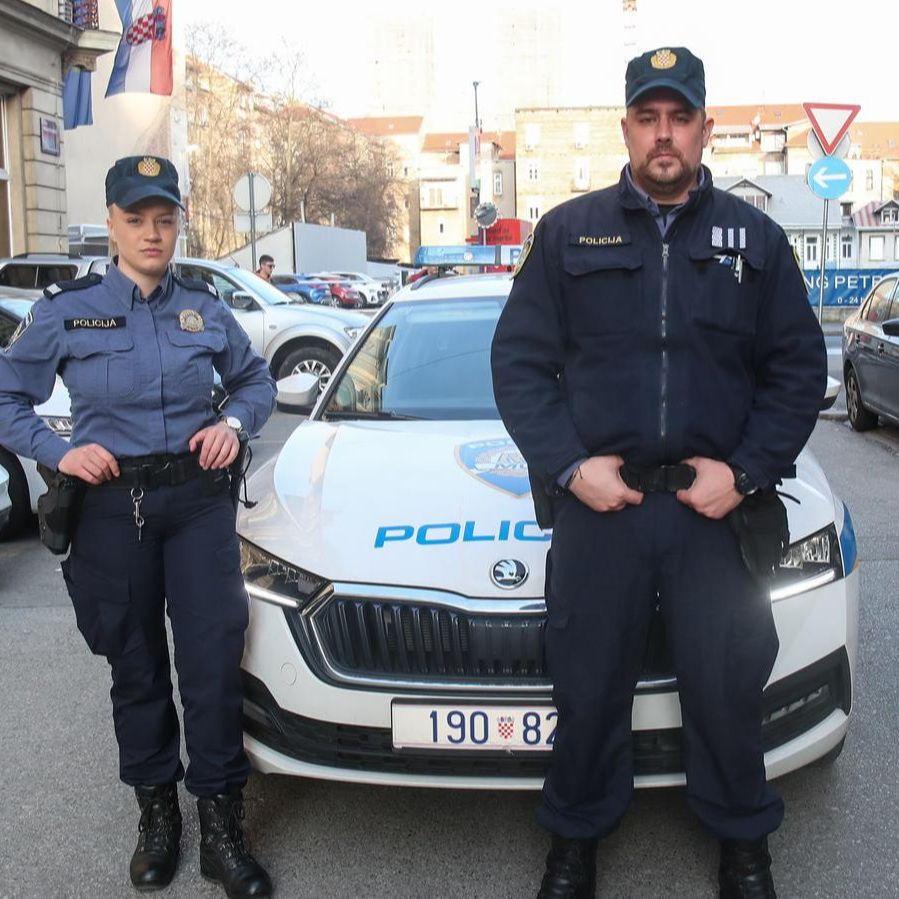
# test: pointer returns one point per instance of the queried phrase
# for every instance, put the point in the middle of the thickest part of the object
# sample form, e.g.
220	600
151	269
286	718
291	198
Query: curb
834	415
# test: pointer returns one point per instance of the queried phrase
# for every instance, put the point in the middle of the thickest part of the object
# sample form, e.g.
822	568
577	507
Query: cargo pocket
192	352
101	363
102	606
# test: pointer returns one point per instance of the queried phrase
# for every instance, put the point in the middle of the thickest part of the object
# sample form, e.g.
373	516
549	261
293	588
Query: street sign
817	151
829	178
262	191
486	215
243	221
830	121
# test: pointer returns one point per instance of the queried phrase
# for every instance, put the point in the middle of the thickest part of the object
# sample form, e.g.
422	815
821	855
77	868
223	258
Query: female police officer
136	350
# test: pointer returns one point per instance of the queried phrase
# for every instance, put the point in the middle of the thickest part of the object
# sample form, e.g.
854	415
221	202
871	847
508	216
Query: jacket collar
128	292
631	197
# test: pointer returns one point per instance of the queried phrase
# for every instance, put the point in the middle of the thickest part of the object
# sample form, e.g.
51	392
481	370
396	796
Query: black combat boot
224	856
745	870
570	870
159	842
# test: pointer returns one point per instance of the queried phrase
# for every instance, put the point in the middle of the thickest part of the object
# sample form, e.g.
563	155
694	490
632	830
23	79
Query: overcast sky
774	51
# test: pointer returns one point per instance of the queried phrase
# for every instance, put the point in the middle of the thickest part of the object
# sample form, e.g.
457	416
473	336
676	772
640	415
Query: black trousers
605	575
187	564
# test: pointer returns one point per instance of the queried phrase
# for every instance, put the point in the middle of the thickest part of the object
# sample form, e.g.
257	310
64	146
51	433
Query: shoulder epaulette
197	284
54	290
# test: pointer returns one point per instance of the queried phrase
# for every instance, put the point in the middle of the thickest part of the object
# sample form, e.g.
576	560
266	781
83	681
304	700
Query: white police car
397	610
5	503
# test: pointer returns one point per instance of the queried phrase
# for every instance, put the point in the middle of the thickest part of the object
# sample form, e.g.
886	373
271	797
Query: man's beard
670	182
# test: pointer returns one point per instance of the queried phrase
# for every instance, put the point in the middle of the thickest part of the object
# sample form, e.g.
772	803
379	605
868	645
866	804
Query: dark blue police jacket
615	340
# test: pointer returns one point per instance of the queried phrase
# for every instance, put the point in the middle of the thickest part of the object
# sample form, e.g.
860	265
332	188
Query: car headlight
352	333
59	424
273	580
809	563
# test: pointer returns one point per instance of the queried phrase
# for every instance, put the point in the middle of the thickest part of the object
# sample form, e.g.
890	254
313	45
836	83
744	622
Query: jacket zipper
663	398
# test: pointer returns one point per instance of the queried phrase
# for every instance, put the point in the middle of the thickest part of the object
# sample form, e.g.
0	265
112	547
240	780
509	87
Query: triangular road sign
830	121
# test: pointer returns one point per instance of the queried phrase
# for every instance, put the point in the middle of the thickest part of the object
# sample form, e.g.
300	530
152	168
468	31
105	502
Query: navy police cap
672	67
137	178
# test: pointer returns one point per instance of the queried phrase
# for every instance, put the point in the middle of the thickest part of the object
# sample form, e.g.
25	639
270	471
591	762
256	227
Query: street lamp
477	123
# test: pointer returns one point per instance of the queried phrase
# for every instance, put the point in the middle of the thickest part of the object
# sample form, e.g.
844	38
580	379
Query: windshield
268	293
427	359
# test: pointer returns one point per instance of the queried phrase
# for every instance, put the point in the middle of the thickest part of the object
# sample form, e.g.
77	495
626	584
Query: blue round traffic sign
829	178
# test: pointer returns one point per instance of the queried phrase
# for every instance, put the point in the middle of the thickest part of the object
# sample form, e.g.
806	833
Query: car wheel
334	301
859	417
20	515
312	360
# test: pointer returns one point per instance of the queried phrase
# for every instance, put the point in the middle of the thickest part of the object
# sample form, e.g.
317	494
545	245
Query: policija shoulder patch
100	324
526	248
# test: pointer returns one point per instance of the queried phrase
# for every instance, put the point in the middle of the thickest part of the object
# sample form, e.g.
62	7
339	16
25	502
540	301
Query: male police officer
136	349
663	324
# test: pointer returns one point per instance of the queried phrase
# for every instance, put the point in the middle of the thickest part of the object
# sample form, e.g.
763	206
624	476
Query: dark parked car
871	357
312	290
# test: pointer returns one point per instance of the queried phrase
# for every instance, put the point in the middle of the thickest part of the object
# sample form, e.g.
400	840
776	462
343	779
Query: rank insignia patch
191	320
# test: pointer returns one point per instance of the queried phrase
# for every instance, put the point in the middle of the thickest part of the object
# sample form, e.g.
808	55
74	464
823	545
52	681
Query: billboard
845	287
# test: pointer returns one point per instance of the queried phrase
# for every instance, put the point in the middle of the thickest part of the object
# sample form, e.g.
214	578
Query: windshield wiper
381	415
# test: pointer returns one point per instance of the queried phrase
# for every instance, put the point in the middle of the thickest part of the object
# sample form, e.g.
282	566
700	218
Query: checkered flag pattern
506	726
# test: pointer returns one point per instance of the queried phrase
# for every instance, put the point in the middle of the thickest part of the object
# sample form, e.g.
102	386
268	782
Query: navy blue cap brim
671	84
146	192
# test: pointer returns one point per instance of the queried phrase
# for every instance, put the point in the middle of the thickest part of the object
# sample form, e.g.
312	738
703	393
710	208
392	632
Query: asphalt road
67	826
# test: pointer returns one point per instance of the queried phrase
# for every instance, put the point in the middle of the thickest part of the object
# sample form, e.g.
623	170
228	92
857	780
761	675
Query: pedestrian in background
136	349
266	267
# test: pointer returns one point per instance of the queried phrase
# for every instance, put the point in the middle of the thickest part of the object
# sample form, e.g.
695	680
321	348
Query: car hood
329	316
424	504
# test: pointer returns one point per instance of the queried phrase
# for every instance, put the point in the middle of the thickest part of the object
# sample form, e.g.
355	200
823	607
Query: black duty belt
661	479
150	472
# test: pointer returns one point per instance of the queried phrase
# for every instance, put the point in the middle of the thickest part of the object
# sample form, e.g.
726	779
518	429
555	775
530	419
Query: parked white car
397	615
293	337
374	291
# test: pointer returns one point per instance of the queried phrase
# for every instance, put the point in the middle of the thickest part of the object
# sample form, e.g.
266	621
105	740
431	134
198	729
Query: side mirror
297	393
831	392
244	301
891	327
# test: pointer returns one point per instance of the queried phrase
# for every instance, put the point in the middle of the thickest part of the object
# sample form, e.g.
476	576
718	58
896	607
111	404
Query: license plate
473	727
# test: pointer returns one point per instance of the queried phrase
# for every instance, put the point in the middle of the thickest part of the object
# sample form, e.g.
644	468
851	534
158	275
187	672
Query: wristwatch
743	484
233	423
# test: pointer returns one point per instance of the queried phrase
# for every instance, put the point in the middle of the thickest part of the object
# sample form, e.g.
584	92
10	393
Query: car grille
372	640
792	707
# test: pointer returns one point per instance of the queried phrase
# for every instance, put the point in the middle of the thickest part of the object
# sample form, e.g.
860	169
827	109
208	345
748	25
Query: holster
543	501
58	509
760	523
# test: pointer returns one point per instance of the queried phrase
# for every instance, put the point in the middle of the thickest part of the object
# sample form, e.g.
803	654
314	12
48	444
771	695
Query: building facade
38	44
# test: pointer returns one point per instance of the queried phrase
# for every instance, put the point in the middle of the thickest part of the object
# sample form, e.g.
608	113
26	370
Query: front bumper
295	723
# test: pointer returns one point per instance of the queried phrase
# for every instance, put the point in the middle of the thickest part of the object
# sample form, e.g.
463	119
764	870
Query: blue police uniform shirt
139	371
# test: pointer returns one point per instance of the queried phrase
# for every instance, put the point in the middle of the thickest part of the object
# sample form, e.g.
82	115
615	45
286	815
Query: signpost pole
823	262
252	178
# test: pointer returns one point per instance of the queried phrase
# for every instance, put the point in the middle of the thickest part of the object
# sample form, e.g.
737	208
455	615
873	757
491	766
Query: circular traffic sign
829	178
262	192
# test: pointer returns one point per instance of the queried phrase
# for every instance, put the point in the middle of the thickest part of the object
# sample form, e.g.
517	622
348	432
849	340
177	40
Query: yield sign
830	121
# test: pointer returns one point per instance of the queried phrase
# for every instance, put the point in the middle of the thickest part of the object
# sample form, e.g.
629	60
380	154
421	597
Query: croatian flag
143	61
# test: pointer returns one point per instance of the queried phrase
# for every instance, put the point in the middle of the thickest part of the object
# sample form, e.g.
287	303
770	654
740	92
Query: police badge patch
190	320
526	248
149	167
20	330
663	59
